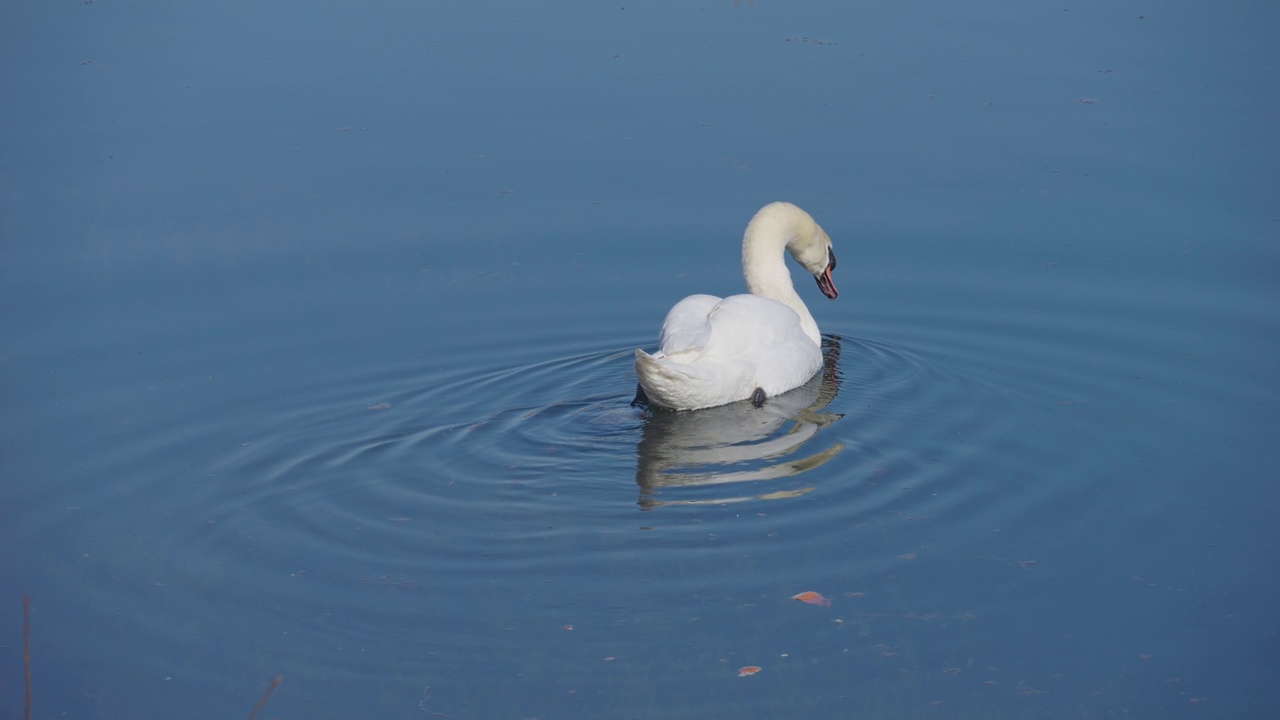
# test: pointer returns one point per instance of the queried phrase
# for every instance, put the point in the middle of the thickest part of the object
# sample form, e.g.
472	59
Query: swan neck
764	265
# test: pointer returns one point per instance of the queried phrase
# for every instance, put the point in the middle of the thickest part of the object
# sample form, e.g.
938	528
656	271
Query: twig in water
274	684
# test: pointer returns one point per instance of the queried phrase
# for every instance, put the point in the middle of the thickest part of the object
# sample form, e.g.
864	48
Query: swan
715	351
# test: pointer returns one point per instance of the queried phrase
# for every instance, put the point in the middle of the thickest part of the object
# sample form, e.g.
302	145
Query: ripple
468	499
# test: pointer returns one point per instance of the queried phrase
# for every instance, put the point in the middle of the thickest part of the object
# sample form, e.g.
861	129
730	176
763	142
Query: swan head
811	247
778	225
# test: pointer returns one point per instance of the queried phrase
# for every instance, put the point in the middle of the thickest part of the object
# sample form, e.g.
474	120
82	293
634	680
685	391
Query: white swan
713	351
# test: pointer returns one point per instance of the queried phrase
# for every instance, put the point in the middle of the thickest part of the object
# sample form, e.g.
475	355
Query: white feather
715	351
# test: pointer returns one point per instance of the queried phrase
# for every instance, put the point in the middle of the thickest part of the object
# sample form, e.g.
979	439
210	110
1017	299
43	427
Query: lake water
316	326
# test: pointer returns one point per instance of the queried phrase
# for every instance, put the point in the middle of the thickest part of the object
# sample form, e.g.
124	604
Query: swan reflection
740	443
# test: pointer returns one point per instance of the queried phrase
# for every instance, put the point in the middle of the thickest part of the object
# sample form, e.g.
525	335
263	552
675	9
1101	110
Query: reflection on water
739	442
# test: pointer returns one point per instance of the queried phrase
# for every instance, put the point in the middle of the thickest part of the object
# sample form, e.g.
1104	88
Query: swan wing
687	329
750	326
767	337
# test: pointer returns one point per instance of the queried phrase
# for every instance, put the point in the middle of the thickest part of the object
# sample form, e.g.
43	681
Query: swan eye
831	259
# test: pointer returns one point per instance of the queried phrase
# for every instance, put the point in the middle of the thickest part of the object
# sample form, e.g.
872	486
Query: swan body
714	351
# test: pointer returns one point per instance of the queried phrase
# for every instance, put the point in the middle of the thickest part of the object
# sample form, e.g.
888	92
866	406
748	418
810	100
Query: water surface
317	326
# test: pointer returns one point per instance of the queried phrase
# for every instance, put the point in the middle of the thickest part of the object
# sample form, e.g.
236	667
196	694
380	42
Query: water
317	325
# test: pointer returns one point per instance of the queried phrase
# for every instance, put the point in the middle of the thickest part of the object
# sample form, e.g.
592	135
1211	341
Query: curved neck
764	265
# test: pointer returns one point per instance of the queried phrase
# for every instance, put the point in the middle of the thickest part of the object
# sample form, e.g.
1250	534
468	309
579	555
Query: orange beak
825	283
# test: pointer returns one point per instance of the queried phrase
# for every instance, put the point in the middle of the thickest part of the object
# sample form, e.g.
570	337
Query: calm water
315	339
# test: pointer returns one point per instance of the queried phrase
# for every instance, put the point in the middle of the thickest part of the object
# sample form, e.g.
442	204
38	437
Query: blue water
315	337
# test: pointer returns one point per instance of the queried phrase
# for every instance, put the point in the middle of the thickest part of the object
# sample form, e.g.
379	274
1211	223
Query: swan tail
662	380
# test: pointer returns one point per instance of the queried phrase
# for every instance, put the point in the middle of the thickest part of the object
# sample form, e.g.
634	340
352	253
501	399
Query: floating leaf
748	670
813	598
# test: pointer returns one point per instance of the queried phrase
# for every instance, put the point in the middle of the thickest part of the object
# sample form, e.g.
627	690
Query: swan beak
825	283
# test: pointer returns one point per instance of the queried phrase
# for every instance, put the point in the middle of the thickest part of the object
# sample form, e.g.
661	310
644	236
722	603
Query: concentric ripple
462	502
